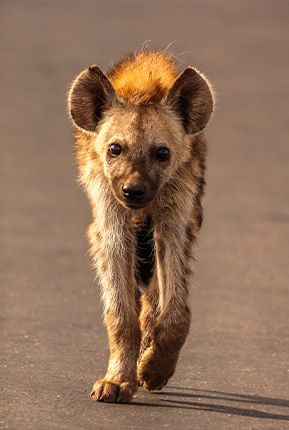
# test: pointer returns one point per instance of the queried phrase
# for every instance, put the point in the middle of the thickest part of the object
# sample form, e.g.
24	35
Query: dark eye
162	153
114	150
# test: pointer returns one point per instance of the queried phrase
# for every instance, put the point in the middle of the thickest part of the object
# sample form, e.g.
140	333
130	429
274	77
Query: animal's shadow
185	398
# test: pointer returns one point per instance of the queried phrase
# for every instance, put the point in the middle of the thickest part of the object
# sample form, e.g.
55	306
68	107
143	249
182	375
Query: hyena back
141	154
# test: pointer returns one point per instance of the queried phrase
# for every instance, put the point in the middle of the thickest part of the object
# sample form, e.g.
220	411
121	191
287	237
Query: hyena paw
111	392
155	370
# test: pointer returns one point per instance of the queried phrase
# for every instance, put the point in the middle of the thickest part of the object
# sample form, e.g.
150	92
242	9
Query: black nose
133	191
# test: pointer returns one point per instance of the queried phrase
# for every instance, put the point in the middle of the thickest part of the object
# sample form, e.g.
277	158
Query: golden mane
144	77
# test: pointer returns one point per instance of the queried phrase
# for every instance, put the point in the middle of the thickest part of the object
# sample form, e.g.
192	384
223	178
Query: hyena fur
141	154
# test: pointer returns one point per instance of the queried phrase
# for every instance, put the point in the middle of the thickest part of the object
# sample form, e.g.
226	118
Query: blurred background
233	372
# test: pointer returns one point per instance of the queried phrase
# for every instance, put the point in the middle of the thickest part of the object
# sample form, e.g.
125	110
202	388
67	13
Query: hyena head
142	136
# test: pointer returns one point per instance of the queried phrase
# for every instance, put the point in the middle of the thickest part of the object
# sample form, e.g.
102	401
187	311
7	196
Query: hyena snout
137	194
134	192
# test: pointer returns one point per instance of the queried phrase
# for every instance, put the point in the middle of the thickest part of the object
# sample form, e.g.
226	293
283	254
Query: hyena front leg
171	325
115	266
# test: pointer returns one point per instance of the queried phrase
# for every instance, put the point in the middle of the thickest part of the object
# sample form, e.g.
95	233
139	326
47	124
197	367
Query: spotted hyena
141	153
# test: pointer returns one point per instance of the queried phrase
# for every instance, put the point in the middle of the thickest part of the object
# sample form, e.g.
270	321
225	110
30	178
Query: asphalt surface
233	372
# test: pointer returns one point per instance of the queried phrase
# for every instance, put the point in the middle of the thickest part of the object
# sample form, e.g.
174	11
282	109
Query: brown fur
142	105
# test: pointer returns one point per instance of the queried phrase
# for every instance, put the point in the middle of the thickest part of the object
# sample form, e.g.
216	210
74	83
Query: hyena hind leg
148	316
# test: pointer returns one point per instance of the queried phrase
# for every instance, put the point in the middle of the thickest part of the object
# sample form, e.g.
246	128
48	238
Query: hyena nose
133	191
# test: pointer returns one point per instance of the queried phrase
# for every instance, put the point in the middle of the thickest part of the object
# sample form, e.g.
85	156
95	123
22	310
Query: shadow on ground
175	399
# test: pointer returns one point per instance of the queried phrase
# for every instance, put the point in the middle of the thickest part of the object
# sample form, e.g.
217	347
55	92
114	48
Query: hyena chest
145	252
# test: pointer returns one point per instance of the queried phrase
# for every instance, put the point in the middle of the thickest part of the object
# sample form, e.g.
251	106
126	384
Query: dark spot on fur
199	219
145	252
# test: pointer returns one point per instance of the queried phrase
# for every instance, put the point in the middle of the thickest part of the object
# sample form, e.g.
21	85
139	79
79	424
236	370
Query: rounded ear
90	96
192	99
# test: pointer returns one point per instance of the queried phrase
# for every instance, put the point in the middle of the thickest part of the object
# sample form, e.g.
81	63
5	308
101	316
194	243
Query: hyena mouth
136	203
136	206
133	205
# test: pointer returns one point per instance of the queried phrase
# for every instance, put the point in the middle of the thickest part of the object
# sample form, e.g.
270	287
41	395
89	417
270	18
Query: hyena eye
162	153
114	150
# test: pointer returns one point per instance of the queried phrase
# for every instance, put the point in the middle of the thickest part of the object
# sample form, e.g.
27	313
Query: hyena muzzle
141	154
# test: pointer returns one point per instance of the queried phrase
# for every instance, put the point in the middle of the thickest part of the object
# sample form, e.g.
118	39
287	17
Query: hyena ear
192	99
90	96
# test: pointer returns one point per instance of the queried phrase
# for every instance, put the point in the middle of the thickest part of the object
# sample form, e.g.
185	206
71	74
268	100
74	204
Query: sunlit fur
146	80
143	103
